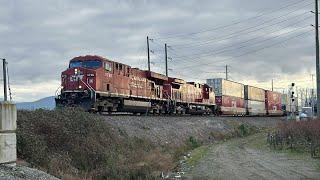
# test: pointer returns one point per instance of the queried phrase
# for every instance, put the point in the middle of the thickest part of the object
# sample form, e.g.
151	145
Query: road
241	159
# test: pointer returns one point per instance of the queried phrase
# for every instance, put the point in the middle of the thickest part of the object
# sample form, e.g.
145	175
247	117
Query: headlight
80	87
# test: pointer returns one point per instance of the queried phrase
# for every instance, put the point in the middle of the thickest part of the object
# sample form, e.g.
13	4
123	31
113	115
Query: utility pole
301	96
272	85
166	58
226	72
297	102
317	57
148	49
5	90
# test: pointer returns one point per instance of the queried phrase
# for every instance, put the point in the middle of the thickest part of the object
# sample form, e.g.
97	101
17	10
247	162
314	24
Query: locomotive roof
95	57
89	57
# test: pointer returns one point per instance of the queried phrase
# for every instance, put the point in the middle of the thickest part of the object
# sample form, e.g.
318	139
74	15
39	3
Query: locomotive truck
98	84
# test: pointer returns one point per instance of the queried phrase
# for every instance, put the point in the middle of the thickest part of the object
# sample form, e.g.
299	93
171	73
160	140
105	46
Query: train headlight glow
80	87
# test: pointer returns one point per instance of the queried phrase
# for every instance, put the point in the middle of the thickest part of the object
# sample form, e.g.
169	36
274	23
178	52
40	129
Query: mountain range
44	103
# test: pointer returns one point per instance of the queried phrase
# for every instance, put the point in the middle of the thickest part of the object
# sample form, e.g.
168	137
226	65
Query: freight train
98	84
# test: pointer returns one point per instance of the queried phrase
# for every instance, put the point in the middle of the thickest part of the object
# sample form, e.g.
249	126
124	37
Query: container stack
254	101
229	96
273	103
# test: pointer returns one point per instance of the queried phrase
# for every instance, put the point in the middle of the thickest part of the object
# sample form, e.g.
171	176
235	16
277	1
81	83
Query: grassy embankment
72	144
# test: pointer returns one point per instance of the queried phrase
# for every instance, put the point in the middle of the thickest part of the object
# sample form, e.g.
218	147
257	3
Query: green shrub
193	143
244	130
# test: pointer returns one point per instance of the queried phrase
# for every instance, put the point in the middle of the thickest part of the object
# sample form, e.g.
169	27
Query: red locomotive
101	85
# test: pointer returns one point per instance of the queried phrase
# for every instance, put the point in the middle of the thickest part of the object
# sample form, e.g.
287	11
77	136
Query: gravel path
235	160
8	172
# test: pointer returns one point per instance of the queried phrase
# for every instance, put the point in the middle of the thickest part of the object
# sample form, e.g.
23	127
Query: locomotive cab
79	82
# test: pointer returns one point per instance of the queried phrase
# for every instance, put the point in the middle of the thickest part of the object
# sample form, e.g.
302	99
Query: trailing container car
254	101
229	96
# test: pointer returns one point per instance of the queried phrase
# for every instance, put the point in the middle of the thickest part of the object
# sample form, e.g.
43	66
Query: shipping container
224	87
254	93
230	105
255	108
273	103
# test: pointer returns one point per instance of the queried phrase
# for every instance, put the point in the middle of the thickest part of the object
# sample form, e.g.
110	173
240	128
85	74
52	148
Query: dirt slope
238	159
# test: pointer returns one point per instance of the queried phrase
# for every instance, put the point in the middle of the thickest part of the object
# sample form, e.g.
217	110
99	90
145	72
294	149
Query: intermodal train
98	84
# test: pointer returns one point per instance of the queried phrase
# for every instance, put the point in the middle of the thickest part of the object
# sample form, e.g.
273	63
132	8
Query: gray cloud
39	37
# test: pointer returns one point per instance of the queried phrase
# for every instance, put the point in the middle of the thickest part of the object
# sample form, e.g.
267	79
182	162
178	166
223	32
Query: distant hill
44	103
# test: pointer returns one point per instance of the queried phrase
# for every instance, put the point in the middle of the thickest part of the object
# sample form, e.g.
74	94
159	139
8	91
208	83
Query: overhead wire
232	23
249	52
243	46
236	33
257	30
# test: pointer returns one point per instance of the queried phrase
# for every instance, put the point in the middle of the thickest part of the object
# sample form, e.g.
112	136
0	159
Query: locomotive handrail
88	86
56	93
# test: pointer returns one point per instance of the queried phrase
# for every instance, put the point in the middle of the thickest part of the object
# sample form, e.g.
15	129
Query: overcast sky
259	40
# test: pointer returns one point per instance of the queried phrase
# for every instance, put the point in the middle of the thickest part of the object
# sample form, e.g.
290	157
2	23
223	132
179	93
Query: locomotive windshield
92	64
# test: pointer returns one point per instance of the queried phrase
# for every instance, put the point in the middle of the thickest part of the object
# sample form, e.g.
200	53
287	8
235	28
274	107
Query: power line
237	48
249	52
236	33
233	23
241	47
290	25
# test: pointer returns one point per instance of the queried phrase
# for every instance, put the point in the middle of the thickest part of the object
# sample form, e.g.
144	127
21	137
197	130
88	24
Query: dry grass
72	144
299	136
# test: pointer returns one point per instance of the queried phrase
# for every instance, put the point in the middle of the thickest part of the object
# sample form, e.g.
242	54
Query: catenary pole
166	58
148	49
226	72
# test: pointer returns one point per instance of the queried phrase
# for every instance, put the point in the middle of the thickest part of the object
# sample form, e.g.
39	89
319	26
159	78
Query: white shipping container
224	87
255	107
254	93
